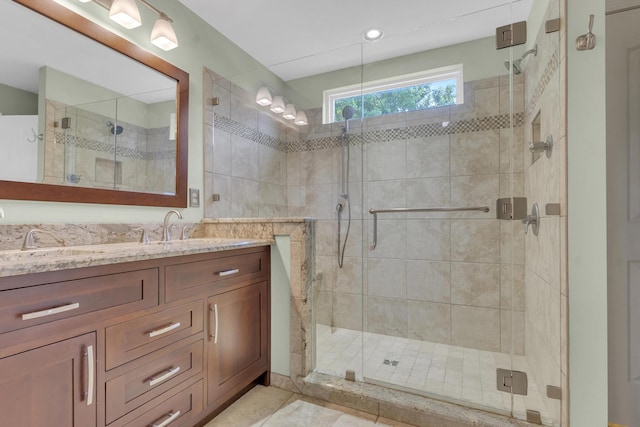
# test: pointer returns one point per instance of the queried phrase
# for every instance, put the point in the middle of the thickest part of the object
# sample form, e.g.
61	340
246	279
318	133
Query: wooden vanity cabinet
53	385
237	344
159	342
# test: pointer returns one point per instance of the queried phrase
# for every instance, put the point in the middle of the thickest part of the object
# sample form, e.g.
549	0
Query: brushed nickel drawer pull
166	375
164	330
172	417
50	311
215	319
229	272
90	374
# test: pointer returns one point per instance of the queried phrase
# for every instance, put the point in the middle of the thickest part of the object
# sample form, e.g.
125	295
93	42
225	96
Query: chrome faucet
30	243
166	235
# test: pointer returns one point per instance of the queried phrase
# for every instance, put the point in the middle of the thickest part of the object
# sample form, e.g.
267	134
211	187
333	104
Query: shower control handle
533	220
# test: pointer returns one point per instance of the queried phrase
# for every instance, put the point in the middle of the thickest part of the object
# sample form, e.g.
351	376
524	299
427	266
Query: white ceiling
298	38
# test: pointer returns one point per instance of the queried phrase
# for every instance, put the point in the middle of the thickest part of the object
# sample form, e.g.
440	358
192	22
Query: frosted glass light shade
277	105
301	119
263	97
289	112
84	1
125	13
162	34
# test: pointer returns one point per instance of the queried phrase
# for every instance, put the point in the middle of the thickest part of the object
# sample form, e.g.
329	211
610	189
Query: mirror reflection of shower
343	199
517	63
115	130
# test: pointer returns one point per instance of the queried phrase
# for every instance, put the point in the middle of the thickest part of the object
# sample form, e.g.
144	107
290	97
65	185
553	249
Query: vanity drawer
201	277
149	377
34	305
178	407
138	337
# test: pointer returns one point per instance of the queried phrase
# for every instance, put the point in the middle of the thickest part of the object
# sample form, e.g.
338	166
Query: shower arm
375	213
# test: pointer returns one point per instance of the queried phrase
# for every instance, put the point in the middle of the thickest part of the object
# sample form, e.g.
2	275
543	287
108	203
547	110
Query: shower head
115	130
517	63
348	112
517	69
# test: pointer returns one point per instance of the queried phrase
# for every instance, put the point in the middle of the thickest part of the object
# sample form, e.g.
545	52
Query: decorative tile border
549	71
235	128
103	147
376	136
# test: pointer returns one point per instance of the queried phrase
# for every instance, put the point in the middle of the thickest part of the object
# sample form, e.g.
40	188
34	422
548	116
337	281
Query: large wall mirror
86	116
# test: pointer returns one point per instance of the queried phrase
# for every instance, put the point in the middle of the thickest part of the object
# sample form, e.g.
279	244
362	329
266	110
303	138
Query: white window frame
407	80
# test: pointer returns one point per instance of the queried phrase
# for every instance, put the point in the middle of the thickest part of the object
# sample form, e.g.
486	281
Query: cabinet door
238	348
52	385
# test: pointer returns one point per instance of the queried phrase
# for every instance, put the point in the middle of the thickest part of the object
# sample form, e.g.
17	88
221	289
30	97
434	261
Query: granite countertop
16	262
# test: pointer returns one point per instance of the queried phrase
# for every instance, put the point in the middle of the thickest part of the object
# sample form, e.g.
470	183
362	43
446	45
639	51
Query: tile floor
445	372
274	407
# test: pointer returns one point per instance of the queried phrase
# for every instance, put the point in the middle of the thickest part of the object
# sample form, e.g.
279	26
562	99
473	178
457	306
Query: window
410	92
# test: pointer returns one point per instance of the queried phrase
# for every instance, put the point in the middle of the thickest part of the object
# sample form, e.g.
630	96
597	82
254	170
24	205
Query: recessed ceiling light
372	34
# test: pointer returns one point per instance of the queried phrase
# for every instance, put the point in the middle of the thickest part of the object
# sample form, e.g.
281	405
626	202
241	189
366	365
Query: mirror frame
13	190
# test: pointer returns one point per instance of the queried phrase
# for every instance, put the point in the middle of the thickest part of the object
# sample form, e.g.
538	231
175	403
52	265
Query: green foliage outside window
399	100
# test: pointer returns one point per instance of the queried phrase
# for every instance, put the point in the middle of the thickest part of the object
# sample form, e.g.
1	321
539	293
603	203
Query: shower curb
397	405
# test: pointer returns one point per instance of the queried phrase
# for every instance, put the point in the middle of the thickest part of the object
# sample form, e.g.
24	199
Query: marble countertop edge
16	262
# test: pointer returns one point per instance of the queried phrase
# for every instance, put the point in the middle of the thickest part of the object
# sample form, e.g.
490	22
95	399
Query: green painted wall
281	306
17	102
587	208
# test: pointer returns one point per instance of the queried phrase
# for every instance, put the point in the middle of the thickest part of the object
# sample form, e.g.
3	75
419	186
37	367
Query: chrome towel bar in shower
375	213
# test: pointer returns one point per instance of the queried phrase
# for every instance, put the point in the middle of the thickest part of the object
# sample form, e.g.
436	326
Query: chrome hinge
512	381
508	208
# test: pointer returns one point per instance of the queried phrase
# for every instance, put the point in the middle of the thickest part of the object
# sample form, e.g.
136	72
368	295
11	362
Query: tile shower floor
441	371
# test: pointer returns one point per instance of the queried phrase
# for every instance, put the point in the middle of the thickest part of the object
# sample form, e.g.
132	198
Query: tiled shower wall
245	154
438	277
545	182
145	159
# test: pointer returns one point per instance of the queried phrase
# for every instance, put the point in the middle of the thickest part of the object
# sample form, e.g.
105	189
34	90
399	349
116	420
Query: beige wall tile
428	157
475	327
475	284
429	239
475	240
387	316
386	161
475	153
429	321
387	278
429	281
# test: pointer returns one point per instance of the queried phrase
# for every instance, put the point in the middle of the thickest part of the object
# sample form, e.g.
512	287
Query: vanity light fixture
263	97
126	13
289	112
301	119
162	34
277	105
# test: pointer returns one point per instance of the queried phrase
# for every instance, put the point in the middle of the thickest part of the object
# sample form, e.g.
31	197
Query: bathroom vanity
133	335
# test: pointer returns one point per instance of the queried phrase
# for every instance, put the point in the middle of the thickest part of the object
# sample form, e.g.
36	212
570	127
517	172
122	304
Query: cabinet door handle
50	311
213	318
229	272
166	375
171	417
90	374
164	330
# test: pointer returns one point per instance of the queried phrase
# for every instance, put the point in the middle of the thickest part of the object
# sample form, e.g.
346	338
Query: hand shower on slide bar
343	198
